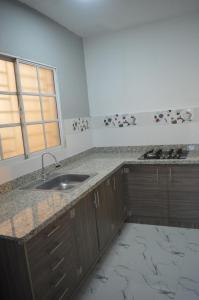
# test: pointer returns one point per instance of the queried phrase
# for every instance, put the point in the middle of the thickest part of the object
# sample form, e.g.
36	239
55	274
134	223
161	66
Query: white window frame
17	60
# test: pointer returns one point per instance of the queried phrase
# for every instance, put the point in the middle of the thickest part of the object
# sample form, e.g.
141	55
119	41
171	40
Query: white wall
150	68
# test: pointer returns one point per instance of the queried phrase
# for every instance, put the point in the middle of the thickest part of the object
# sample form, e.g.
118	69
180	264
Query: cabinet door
52	256
118	196
86	233
184	195
146	191
105	213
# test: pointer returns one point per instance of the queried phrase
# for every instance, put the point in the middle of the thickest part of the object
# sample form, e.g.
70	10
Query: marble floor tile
147	262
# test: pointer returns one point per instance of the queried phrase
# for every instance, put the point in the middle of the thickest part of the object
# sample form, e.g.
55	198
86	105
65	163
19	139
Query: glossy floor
147	262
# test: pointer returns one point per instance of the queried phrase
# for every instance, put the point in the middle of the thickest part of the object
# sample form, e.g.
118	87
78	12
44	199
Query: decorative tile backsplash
80	124
117	120
174	116
166	117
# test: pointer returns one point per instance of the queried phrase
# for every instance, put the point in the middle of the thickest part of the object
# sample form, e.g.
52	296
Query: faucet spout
57	164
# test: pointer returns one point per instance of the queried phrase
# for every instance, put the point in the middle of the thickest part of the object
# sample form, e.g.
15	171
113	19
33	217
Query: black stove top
165	154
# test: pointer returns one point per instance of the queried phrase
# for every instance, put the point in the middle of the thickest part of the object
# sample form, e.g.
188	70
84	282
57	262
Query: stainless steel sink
60	182
63	182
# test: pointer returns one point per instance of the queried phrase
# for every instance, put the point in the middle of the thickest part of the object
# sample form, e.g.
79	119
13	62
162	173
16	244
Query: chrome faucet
57	164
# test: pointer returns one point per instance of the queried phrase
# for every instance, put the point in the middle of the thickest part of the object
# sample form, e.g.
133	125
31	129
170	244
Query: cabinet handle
170	174
64	293
55	248
108	182
95	200
114	184
98	199
53	231
157	175
57	283
72	213
58	264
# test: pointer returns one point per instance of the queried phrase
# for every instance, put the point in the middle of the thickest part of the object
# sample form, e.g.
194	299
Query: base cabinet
51	265
184	196
86	234
110	208
105	212
163	194
146	192
53	259
118	195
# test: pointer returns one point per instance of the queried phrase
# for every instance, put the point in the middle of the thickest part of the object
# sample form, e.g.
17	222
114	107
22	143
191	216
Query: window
28	108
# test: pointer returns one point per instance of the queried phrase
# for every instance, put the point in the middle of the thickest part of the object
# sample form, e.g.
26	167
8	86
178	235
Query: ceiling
92	17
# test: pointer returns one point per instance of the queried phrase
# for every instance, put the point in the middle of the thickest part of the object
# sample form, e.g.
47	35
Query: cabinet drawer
52	257
45	242
44	262
54	281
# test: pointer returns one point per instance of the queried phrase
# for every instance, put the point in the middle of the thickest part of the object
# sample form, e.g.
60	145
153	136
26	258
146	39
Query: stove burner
165	154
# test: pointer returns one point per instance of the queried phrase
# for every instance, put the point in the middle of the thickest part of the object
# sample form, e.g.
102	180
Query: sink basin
63	182
60	182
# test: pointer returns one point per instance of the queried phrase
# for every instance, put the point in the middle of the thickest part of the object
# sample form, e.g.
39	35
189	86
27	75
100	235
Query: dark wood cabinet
51	264
86	233
146	192
184	196
43	268
53	260
118	196
105	212
14	276
163	194
110	207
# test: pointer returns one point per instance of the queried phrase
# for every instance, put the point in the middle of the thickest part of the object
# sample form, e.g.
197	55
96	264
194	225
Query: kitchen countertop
23	213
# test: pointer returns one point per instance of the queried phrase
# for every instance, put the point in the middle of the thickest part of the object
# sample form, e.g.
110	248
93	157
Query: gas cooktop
165	154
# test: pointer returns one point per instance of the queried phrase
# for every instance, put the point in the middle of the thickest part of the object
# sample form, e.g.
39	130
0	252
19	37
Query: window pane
11	142
49	108
7	76
32	108
28	75
9	110
46	80
52	134
35	137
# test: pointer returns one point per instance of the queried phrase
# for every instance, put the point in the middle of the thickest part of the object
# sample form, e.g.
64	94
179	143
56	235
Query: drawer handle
108	182
59	280
95	200
55	248
58	264
64	293
53	231
98	199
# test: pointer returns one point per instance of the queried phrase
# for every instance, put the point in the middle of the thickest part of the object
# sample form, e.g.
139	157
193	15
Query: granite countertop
23	213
